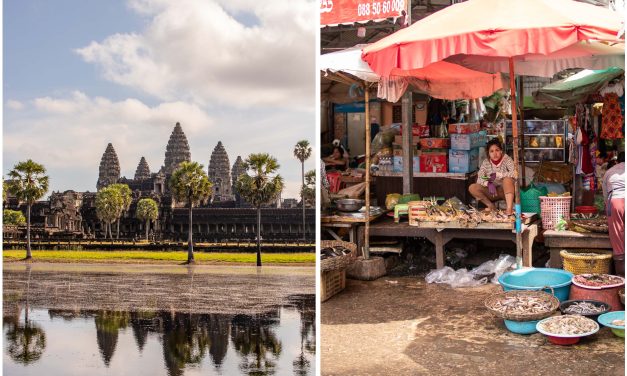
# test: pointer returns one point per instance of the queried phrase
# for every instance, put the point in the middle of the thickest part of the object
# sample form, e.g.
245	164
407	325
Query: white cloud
69	135
197	50
15	105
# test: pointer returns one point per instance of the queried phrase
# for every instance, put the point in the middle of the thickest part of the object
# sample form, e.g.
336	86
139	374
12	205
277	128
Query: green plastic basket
529	198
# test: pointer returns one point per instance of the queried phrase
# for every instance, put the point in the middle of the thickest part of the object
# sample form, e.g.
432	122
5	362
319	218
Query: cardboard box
435	143
398	164
433	162
463	160
468	141
398	140
417	130
464	128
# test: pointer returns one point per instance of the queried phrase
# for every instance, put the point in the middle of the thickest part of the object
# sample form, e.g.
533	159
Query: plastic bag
454	278
383	139
469	278
391	200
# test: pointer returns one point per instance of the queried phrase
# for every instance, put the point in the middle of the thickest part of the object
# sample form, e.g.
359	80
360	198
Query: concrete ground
404	326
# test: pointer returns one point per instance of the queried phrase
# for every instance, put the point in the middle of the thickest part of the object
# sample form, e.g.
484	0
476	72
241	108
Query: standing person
496	178
614	195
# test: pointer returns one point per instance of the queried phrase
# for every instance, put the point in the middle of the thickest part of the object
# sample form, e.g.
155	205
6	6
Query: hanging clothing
613	120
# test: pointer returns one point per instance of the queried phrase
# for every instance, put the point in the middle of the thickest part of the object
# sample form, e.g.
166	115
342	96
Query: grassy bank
160	256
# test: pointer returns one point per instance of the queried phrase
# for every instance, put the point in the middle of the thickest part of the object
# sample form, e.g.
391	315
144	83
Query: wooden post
366	250
521	98
408	153
512	84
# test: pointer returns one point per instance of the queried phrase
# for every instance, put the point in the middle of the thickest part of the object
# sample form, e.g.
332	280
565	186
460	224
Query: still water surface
64	342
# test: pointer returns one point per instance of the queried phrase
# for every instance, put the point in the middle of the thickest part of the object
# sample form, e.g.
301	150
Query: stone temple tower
238	169
109	171
220	174
143	171
177	150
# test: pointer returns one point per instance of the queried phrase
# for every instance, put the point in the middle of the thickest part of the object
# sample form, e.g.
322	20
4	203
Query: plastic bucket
538	279
522	327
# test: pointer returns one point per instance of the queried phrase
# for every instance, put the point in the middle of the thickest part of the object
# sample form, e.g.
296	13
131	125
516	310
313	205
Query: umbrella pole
512	84
366	250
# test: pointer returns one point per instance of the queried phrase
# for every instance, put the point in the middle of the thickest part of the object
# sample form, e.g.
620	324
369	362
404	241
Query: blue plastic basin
536	279
522	327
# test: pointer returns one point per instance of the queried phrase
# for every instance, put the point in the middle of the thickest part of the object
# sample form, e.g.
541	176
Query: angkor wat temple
72	214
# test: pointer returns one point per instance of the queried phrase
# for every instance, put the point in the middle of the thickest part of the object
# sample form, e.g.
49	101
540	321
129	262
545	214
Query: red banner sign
333	12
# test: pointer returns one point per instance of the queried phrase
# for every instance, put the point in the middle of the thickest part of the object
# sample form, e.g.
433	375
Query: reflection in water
233	344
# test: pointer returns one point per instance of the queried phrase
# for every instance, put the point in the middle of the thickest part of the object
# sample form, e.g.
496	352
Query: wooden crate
332	282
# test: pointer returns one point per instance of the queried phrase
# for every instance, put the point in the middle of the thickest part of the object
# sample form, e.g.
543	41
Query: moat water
97	342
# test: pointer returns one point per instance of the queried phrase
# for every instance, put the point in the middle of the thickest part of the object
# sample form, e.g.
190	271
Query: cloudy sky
79	74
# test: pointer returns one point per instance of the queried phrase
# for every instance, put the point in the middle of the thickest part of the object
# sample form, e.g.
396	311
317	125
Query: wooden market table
573	241
351	222
441	233
446	184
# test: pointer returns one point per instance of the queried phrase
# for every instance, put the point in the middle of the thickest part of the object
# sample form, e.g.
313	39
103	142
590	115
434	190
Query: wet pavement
404	326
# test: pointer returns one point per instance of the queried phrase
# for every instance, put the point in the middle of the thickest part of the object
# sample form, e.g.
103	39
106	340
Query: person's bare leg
480	193
509	190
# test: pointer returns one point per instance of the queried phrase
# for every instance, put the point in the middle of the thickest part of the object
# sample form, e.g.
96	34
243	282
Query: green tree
302	152
28	182
189	184
109	204
309	189
13	217
147	210
127	199
261	187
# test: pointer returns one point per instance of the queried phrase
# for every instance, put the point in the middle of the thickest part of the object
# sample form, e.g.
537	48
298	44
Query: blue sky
79	74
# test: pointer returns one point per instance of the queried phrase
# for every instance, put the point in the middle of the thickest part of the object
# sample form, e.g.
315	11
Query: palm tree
309	189
28	182
189	183
147	210
302	152
109	204
127	199
261	187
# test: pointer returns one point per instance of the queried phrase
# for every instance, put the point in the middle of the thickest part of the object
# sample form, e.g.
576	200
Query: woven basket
546	297
593	261
552	209
339	262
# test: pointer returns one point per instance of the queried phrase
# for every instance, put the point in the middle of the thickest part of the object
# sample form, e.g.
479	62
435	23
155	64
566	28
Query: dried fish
568	325
596	280
584	308
522	305
618	322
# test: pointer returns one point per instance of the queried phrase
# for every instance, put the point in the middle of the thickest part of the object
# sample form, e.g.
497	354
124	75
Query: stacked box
435	143
433	162
464	128
463	160
398	162
468	141
398	140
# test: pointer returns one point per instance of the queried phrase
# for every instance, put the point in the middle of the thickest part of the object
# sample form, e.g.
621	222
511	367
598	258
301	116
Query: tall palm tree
260	188
127	199
189	183
302	152
147	210
109	205
28	182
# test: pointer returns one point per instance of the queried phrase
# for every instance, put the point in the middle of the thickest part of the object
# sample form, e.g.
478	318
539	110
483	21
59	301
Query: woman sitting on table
496	178
614	194
336	160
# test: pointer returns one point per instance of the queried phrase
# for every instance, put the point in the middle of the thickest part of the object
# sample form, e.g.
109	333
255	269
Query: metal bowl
349	204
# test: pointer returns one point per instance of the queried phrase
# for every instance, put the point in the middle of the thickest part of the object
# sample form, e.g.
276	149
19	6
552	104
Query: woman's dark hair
340	149
494	141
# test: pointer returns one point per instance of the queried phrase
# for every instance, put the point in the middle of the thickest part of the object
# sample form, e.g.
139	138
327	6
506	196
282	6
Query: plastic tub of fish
602	287
538	279
587	308
615	321
567	329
